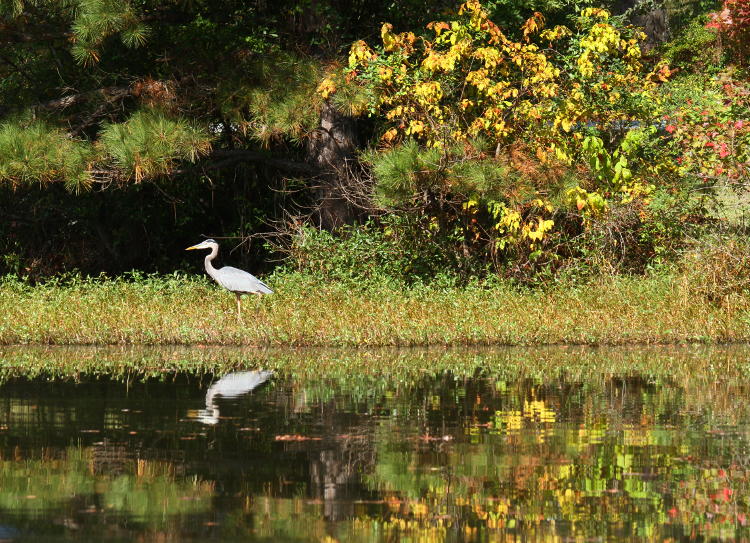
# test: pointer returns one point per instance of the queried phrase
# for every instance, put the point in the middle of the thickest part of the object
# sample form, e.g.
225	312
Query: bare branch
110	94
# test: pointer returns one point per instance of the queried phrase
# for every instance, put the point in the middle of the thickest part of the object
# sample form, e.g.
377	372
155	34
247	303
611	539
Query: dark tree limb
14	34
110	94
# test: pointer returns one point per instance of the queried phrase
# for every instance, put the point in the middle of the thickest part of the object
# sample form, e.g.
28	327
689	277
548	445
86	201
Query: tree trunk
653	18
332	149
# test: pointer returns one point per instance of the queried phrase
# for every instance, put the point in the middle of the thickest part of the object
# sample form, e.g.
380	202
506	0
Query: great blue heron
232	385
234	280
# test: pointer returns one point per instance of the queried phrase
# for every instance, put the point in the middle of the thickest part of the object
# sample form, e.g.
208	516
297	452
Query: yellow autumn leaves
466	81
486	85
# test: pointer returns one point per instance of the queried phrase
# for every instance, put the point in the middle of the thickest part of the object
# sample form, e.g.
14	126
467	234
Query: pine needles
407	171
96	20
150	144
280	99
38	153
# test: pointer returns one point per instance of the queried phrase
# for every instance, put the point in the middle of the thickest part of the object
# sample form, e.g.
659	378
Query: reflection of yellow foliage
537	410
510	421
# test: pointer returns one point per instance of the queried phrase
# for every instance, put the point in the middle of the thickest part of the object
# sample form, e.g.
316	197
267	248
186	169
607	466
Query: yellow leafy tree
470	91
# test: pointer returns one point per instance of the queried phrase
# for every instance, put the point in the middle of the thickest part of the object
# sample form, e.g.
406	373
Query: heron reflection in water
231	385
233	279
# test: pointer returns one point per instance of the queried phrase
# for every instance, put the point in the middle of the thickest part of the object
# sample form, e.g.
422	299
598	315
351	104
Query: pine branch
110	94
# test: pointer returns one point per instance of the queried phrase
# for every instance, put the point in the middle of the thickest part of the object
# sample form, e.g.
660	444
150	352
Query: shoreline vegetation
306	312
363	369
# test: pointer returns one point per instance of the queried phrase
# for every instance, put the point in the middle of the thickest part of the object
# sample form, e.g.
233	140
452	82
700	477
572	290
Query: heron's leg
239	306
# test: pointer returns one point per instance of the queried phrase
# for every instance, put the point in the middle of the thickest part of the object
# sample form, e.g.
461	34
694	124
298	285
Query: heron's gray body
237	280
236	384
233	279
232	385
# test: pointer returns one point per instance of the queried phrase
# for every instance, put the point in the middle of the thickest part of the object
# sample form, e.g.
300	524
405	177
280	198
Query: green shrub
399	249
694	49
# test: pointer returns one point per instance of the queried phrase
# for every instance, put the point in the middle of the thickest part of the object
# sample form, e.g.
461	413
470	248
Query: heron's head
207	244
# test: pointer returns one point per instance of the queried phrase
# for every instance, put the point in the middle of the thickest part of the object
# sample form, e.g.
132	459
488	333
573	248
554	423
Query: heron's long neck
209	257
210	393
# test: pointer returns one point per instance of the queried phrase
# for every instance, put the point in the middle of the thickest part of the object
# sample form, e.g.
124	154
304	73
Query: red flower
726	494
670	128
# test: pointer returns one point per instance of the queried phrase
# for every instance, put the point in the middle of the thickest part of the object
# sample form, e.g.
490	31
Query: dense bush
532	155
398	248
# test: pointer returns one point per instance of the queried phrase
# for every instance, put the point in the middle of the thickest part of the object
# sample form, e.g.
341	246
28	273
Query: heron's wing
238	280
239	383
236	384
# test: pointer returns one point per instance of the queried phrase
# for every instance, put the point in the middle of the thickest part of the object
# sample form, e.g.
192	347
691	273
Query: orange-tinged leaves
534	24
389	40
438	27
390	135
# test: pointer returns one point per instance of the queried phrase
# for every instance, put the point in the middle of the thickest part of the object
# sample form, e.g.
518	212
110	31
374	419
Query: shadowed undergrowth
305	312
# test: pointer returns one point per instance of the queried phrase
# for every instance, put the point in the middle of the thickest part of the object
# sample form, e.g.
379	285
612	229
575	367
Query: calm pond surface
517	445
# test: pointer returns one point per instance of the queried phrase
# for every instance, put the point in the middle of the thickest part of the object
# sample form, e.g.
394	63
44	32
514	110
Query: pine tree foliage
278	98
91	22
97	20
14	8
407	171
38	153
150	144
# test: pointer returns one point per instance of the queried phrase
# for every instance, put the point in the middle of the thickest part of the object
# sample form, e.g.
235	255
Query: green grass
306	312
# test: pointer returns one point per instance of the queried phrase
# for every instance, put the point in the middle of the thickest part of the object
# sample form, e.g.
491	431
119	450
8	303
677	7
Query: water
558	445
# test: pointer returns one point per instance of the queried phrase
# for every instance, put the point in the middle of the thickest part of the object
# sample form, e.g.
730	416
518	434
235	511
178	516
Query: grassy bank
304	312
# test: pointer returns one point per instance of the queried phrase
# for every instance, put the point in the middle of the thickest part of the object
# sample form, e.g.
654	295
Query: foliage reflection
551	444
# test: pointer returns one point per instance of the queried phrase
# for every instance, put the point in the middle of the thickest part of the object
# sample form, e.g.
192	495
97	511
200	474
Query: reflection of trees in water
331	438
335	473
114	458
611	455
602	459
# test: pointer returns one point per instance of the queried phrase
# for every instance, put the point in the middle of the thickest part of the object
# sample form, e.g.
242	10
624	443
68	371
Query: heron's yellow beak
193	247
